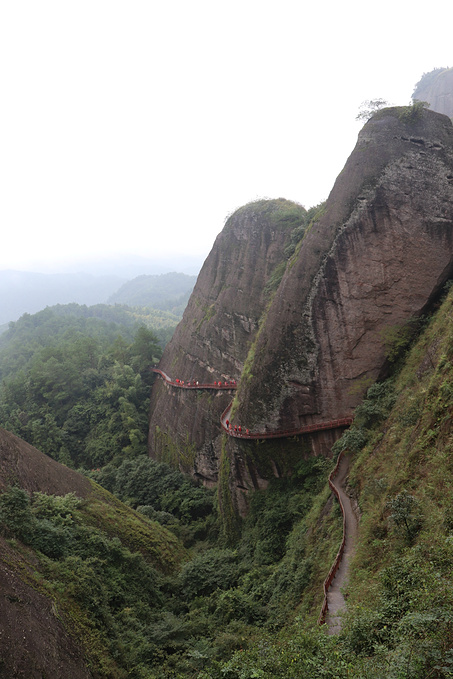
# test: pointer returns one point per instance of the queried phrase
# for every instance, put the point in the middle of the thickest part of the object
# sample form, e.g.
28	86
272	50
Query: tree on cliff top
369	107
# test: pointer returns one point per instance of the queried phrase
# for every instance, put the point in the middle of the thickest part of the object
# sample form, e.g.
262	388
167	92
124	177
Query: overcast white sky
138	126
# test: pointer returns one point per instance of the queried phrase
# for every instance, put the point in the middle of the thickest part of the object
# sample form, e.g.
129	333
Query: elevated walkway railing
243	433
195	384
238	431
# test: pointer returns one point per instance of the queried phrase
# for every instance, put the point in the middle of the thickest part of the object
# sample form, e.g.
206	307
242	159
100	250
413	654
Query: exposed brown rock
377	256
23	465
380	252
34	642
36	639
213	339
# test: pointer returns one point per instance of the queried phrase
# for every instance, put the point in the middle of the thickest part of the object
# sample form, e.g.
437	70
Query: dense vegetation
77	387
135	621
108	585
249	609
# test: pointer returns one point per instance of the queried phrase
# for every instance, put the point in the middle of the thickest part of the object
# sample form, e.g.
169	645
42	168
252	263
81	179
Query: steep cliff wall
382	249
436	88
220	322
376	256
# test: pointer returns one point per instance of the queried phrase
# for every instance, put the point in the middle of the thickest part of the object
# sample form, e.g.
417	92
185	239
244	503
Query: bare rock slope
378	255
33	639
219	325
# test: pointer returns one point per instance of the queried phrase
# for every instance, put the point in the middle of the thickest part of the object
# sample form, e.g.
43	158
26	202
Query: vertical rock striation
377	255
380	252
219	324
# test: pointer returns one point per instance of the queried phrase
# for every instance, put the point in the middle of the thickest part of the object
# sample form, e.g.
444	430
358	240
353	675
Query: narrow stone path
335	599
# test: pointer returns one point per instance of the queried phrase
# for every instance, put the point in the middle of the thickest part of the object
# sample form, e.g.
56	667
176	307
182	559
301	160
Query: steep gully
334	601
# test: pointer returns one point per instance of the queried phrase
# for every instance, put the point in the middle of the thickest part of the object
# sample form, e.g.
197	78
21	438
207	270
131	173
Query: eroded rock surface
219	325
377	256
380	252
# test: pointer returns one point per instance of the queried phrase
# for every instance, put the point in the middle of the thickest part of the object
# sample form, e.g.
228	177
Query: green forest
77	388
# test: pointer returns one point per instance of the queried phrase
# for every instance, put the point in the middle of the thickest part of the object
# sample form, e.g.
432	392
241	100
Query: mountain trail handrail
336	564
194	384
238	432
242	432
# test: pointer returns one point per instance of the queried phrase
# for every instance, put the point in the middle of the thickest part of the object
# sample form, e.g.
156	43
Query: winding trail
334	602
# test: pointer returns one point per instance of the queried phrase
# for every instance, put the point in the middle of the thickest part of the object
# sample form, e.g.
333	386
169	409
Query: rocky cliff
219	325
380	252
436	88
376	257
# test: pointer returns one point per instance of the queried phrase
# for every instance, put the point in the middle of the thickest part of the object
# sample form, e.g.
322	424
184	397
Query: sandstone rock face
437	89
380	252
219	324
376	256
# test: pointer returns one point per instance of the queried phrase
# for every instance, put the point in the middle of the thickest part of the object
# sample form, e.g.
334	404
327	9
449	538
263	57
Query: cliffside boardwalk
334	601
243	432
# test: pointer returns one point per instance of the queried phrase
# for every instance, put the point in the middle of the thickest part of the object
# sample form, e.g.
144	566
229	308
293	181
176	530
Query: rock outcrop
34	641
377	256
380	252
219	325
436	88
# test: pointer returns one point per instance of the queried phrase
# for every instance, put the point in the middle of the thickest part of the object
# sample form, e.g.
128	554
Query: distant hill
26	292
166	292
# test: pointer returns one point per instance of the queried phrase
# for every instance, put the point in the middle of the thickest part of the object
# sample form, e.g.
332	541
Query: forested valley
165	594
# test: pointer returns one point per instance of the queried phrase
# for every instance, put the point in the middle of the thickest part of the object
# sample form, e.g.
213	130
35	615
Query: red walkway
242	432
333	598
194	384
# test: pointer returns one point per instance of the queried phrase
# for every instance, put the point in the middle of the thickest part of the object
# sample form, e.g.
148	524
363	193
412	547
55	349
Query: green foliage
368	108
377	406
212	570
230	611
164	495
76	388
15	515
352	440
111	597
299	219
275	278
410	114
398	338
405	514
